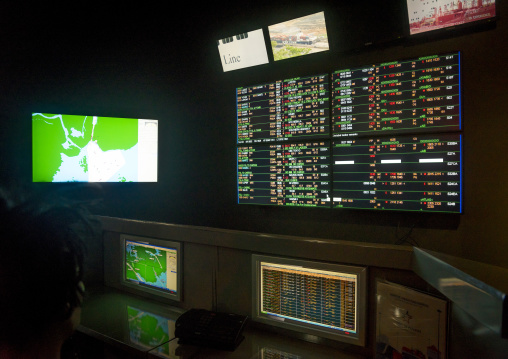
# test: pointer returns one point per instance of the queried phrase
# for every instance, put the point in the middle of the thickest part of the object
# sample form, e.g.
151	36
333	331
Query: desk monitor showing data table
70	148
326	300
152	266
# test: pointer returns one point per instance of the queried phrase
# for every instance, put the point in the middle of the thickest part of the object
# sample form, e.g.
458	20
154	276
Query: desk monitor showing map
151	265
69	148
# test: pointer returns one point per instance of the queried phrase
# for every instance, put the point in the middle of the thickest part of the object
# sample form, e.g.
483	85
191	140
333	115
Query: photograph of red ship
425	15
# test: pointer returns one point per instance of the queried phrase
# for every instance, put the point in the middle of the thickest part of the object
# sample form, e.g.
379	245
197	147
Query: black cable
407	238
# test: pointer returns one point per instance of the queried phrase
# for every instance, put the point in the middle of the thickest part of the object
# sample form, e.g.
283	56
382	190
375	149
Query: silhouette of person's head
41	272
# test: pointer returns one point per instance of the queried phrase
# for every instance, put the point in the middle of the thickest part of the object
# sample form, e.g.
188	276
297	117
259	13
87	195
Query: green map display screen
70	148
150	265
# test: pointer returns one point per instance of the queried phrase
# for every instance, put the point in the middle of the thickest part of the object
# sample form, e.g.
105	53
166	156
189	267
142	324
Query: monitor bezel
147	289
313	332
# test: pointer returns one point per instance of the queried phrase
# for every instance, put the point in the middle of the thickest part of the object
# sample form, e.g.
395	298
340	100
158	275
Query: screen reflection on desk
149	330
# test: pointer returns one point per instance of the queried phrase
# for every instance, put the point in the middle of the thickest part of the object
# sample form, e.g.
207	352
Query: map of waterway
68	148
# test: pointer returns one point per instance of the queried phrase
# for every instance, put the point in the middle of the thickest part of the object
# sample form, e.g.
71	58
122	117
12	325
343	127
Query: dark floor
81	346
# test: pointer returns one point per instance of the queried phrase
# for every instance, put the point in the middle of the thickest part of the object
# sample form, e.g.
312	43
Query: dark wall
162	63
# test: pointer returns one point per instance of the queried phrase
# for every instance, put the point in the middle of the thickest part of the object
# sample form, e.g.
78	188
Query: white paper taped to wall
243	50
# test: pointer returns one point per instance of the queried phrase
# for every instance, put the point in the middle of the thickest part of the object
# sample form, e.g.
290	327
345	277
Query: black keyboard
211	329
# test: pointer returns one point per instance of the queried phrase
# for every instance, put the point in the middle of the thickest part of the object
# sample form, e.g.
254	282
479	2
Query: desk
145	329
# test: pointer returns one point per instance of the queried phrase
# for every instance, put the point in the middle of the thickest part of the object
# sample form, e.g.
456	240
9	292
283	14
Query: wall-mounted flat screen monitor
391	141
405	173
285	174
243	50
408	96
425	16
297	37
70	148
325	300
152	266
283	110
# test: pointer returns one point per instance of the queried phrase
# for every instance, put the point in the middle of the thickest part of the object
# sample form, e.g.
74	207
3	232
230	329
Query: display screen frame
146	288
309	330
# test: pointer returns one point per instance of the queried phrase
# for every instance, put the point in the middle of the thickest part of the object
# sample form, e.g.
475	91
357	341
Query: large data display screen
287	174
413	173
295	108
420	95
324	299
70	148
386	137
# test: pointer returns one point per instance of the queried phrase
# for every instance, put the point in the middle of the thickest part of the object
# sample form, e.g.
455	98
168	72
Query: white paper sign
410	324
243	50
